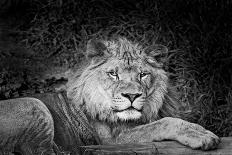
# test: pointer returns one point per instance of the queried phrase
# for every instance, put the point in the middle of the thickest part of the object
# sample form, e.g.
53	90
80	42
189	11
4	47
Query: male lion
127	97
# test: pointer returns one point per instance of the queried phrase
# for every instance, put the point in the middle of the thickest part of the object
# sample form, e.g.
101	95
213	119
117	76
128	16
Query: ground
41	42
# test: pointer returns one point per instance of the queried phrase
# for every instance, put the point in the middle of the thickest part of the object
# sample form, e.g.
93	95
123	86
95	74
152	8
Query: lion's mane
83	89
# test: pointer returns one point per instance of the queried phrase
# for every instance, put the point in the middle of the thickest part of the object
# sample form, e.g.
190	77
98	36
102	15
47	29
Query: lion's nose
131	97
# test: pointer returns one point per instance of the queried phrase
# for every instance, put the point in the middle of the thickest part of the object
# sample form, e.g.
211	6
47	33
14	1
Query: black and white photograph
115	77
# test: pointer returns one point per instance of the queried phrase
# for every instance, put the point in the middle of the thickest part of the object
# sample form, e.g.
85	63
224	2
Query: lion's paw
196	136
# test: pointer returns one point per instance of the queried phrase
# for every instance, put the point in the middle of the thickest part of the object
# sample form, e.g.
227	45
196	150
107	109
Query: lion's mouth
128	109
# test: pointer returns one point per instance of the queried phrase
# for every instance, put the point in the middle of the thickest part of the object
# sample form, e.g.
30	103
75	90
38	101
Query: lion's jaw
129	114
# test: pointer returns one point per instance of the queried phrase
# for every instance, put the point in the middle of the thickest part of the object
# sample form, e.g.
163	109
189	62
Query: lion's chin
129	115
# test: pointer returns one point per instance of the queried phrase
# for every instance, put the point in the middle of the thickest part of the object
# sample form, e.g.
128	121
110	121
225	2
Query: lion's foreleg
193	135
155	131
189	134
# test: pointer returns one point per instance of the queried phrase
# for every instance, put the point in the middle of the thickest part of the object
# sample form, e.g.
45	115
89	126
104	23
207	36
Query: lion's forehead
122	66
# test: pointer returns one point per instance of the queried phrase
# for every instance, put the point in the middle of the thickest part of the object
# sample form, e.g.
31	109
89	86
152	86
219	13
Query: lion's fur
26	126
86	91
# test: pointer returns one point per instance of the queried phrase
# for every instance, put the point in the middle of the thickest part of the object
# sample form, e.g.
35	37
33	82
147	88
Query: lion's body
128	98
125	95
26	125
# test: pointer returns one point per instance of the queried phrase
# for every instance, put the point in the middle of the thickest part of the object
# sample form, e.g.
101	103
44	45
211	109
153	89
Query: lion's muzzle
131	97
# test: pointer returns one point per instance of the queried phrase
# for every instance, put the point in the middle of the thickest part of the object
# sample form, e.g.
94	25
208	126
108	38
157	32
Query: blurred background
42	40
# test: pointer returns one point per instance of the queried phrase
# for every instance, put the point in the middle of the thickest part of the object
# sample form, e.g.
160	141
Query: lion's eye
113	74
143	75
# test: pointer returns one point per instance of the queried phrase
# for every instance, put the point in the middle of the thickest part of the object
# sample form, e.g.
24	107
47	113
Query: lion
26	126
128	98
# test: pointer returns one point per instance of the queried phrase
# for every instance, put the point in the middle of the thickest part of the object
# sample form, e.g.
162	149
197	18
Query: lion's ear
95	48
157	54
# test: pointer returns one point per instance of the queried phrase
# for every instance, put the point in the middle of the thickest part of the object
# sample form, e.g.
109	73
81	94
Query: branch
156	148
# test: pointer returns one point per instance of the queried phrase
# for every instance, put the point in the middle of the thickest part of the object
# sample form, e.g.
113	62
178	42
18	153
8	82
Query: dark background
41	39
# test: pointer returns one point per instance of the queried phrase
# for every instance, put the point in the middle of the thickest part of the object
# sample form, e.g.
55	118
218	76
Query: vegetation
198	34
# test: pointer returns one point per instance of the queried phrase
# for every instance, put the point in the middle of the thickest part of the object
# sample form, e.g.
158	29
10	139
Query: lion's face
128	85
125	87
